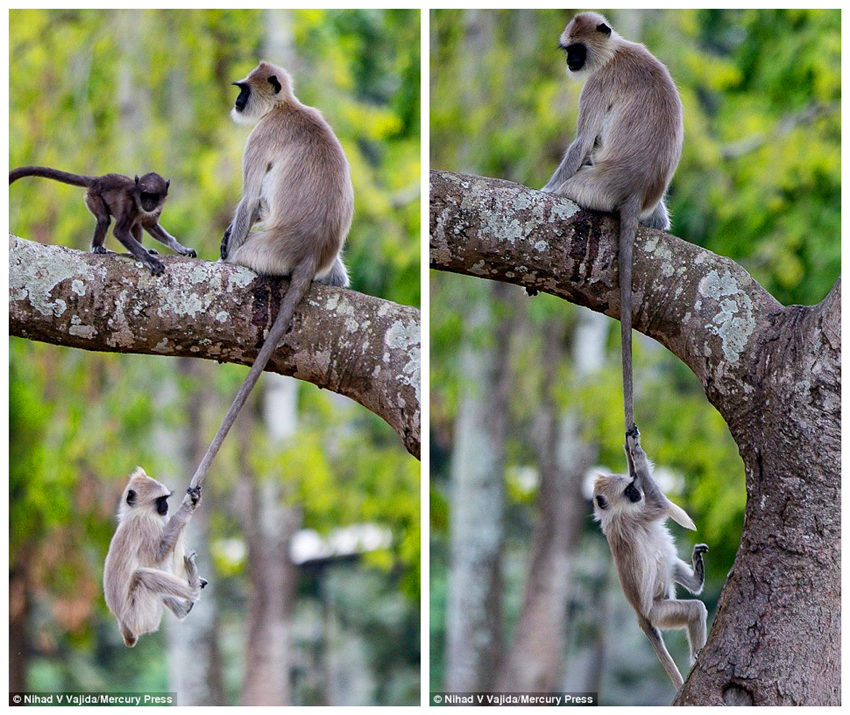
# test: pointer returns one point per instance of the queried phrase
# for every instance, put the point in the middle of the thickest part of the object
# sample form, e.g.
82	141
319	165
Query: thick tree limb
773	373
704	308
357	345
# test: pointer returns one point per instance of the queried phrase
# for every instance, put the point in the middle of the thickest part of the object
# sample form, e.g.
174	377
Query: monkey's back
634	146
116	191
308	199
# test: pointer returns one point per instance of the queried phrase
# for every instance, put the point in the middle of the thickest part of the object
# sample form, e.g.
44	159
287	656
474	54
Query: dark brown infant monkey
135	204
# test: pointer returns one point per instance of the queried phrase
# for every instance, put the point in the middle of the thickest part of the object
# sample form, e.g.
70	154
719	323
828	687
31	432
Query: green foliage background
98	91
759	181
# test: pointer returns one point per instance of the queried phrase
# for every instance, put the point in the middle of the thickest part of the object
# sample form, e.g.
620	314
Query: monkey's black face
149	201
632	493
162	505
244	94
576	56
151	190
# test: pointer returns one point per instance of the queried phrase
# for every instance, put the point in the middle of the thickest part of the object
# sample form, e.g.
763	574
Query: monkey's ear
273	81
137	179
131	497
603	28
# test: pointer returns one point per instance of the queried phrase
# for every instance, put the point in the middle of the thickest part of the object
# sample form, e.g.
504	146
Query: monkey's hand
224	241
194	495
183	250
699	550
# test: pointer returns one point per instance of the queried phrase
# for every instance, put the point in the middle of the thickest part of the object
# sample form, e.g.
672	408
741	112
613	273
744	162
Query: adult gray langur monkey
296	185
295	212
627	146
632	511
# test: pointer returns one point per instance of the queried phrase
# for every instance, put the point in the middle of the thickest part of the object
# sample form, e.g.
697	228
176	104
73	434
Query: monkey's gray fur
632	512
296	185
146	567
135	204
627	146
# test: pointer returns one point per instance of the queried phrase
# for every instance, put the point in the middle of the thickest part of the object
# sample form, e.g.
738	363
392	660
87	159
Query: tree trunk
19	612
195	660
772	372
132	97
274	578
473	641
534	663
777	633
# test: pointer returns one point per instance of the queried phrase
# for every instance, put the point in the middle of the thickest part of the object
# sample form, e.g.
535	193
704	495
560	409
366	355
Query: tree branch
356	345
704	308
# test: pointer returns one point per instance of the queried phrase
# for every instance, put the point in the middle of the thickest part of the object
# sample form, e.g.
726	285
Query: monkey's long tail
629	214
47	173
302	277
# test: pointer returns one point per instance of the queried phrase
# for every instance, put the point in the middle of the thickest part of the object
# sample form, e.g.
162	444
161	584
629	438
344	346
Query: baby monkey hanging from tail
627	146
632	511
147	567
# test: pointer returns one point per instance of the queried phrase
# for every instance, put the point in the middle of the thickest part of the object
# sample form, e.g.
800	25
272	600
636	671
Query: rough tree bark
359	346
773	373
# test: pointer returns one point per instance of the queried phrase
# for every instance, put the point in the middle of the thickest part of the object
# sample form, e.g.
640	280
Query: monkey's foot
633	431
153	265
153	251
